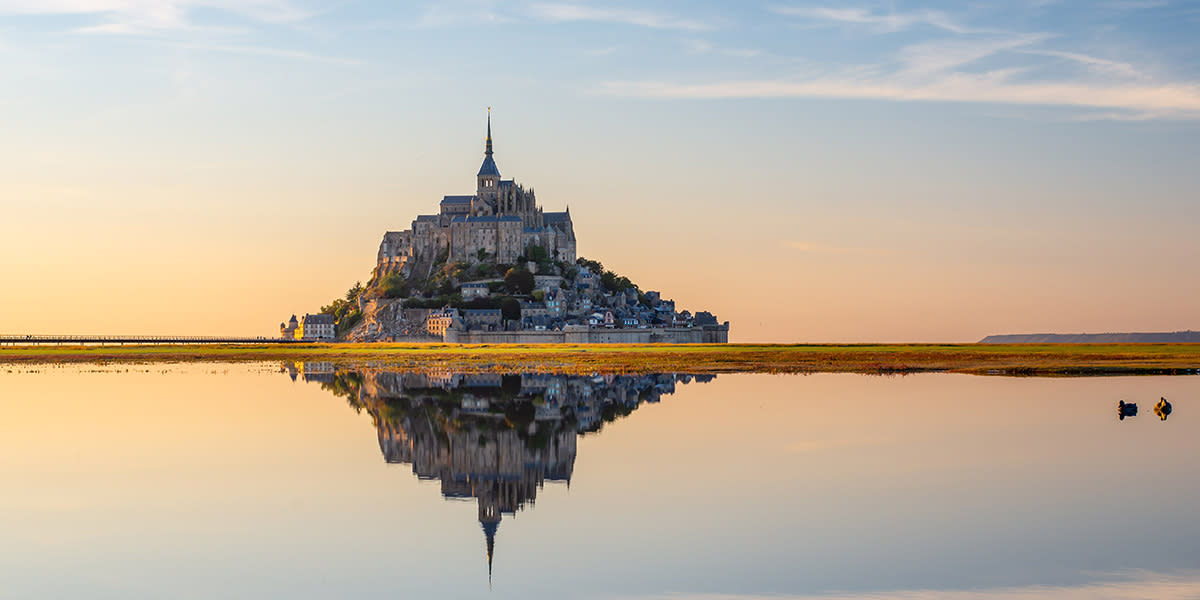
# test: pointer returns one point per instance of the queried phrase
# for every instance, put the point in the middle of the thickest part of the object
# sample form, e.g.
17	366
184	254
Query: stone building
316	327
497	224
288	330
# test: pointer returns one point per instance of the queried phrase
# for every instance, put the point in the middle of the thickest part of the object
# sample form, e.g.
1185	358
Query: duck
1162	409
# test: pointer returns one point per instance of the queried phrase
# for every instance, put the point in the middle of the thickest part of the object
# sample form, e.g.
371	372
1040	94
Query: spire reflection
492	437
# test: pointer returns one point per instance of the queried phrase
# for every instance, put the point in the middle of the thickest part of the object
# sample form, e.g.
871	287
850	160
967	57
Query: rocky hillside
536	291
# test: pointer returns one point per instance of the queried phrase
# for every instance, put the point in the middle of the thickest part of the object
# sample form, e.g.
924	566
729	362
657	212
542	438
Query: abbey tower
497	224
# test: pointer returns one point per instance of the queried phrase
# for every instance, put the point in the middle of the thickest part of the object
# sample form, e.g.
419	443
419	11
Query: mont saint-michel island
496	267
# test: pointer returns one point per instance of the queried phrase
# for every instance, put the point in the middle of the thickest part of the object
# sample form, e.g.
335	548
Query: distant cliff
1174	337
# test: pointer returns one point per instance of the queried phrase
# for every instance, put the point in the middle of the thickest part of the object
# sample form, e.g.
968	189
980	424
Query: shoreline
1060	360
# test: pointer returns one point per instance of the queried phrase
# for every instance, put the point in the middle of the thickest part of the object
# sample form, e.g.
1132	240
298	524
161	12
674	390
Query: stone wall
719	334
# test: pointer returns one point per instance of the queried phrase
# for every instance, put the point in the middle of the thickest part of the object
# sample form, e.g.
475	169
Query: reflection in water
1121	585
1126	409
496	438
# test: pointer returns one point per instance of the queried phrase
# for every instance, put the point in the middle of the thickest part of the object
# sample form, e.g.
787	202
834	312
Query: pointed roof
489	530
489	166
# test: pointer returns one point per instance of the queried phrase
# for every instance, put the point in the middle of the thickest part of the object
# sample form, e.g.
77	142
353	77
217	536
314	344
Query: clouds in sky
949	61
558	13
998	53
889	21
150	16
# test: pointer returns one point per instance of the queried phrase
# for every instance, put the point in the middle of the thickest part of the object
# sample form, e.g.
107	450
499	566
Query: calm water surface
236	481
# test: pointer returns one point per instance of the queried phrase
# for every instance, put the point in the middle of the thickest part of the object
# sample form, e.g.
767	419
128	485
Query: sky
809	171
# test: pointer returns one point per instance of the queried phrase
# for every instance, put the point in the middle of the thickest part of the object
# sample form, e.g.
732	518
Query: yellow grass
1021	359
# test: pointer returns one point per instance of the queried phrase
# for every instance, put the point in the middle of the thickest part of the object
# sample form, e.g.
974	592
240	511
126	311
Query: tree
592	265
483	270
539	295
394	286
519	281
615	283
537	254
510	308
353	293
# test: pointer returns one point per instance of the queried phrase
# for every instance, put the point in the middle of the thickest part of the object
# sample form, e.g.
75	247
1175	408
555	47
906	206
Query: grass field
1032	359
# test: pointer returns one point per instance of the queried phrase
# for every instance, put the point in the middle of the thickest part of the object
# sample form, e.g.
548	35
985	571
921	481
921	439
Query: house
556	303
487	319
537	323
316	327
547	282
586	279
439	321
534	309
473	290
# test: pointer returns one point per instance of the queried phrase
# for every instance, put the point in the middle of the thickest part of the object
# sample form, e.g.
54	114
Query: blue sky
1008	166
1118	59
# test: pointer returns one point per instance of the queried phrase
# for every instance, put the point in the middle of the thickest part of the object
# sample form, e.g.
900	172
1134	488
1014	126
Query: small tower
488	179
288	330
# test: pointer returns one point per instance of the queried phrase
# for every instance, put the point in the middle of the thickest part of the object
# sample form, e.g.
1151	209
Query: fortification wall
584	335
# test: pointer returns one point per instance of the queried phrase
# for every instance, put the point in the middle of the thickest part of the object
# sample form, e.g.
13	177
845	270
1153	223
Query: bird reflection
1126	409
491	437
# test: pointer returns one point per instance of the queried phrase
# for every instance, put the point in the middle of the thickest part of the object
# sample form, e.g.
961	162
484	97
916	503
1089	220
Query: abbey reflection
495	438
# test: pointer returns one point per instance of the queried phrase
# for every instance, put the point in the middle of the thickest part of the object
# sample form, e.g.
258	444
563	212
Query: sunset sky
810	171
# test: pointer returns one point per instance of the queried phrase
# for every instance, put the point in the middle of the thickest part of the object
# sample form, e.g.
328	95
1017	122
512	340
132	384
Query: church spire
488	169
488	150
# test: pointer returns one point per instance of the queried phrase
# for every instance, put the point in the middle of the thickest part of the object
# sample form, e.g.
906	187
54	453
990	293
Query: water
235	481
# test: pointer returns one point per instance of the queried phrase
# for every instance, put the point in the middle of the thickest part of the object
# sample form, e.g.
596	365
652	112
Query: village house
316	327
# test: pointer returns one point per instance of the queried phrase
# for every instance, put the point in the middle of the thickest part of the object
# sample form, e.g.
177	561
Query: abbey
496	224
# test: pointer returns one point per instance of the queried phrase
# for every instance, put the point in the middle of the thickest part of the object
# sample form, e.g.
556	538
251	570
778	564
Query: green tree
537	254
519	281
592	265
394	286
510	308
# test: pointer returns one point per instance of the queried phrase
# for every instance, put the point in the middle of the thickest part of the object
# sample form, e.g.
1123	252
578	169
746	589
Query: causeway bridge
21	339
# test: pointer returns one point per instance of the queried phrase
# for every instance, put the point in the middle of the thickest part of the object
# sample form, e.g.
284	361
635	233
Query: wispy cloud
1179	101
150	16
1101	65
944	55
462	12
957	63
559	13
694	46
889	22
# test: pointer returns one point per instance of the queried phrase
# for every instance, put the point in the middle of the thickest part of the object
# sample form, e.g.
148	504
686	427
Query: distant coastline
1173	337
